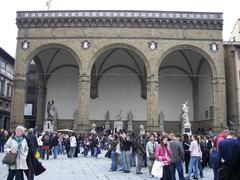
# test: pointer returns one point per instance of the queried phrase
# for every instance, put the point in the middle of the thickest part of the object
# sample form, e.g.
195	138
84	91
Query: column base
83	128
153	128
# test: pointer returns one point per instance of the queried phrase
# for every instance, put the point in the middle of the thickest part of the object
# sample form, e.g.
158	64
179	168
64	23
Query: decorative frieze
129	19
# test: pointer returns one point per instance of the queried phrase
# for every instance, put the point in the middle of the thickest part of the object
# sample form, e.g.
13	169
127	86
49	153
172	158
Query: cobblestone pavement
83	168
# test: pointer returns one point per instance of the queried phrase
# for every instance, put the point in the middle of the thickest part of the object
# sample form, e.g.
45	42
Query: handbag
10	158
152	157
37	155
157	169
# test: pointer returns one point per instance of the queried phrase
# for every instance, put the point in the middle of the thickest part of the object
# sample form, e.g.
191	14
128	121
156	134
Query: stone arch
123	46
189	47
47	46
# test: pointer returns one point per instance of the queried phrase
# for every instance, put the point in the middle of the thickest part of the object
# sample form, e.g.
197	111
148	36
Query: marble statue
185	110
130	121
107	118
142	130
51	123
185	123
119	116
93	130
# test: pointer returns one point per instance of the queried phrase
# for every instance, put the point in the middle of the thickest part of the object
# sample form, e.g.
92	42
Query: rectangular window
2	87
206	114
211	111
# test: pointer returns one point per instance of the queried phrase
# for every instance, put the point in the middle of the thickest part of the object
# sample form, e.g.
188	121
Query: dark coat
33	164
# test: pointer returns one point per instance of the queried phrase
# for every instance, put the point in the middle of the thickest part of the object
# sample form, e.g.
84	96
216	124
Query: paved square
83	168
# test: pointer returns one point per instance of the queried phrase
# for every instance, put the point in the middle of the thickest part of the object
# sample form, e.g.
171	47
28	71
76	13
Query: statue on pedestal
75	115
142	130
161	121
93	130
119	116
107	120
185	123
51	123
130	120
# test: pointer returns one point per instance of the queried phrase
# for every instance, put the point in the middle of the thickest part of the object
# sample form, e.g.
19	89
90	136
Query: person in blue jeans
196	155
177	156
114	155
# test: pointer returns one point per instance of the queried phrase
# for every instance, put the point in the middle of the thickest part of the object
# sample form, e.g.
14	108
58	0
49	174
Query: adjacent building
232	66
6	82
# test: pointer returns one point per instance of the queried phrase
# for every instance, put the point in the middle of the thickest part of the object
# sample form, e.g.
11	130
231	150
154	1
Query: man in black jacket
127	145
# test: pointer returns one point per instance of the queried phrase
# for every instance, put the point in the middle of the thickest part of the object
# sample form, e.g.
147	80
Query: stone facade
6	82
133	30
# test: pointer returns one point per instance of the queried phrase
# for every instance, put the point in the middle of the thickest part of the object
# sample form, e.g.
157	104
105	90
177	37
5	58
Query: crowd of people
221	152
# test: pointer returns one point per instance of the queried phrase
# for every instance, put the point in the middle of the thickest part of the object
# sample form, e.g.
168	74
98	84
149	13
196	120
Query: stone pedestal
130	126
107	124
48	125
186	128
118	125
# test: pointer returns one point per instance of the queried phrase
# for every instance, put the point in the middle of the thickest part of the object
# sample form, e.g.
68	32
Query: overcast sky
8	8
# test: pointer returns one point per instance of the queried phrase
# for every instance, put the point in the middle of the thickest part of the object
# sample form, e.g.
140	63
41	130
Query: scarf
19	141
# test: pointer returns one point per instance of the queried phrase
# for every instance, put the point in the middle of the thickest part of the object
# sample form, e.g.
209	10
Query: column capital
84	78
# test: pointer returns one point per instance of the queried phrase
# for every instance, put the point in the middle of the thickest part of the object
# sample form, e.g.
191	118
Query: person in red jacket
164	154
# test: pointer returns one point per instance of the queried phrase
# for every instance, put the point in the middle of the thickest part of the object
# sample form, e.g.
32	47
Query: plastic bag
157	169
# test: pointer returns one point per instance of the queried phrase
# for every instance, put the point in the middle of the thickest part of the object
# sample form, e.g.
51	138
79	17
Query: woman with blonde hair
17	144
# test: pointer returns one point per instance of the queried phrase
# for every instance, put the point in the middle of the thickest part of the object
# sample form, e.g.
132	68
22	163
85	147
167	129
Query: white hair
20	128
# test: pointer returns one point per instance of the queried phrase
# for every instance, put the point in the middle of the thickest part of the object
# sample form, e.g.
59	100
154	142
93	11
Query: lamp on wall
85	44
152	45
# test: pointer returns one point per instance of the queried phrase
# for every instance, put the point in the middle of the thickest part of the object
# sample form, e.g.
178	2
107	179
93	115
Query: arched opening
186	75
118	86
52	76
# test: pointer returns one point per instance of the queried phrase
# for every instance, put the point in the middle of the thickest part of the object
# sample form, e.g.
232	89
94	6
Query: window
2	66
211	111
8	90
6	106
1	104
206	114
2	89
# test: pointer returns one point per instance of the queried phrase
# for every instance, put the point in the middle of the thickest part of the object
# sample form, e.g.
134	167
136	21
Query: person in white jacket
73	145
17	144
150	152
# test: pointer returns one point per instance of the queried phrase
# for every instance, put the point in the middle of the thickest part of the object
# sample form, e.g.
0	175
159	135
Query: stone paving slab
87	168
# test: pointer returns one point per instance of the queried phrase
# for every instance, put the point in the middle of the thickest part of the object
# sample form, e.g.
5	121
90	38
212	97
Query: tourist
177	157
113	150
133	152
73	145
32	137
222	135
86	146
2	140
196	155
96	145
150	152
140	151
229	150
126	149
186	145
17	144
164	154
40	145
54	145
214	159
46	139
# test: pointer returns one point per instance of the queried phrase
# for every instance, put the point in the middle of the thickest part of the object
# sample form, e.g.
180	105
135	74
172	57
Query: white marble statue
185	110
119	116
142	130
93	130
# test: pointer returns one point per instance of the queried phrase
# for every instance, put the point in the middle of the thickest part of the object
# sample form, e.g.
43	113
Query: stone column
18	101
195	102
83	124
41	104
219	119
152	103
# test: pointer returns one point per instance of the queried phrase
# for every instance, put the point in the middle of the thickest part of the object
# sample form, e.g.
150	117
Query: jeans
194	160
179	167
139	163
126	160
114	160
18	174
133	159
55	152
1	146
72	151
95	152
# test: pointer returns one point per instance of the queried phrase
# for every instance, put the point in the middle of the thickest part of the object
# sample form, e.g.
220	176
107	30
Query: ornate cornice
123	19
